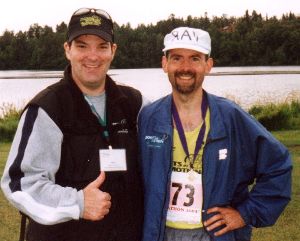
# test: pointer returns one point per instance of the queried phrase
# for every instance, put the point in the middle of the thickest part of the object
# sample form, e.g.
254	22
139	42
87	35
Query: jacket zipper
203	187
203	179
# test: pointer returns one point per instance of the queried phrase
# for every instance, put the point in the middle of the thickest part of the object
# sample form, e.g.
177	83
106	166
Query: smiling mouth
91	66
184	75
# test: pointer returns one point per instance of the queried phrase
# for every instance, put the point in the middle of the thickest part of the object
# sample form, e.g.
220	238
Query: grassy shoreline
286	228
273	116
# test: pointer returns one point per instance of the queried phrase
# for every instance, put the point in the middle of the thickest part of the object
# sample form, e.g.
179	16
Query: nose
185	65
93	54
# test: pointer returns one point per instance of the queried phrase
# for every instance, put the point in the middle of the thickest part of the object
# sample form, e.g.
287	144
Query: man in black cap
73	167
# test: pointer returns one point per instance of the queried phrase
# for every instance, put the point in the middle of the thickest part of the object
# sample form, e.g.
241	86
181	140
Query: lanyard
180	130
102	122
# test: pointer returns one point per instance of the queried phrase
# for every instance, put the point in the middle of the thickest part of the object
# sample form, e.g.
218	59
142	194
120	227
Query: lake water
244	85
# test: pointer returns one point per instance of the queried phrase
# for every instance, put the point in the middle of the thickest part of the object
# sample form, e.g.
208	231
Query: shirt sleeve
28	181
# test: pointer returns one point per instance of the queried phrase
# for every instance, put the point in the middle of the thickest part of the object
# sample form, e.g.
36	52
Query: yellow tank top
186	190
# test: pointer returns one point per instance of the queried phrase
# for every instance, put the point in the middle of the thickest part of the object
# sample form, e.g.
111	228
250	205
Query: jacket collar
163	117
113	93
217	128
113	96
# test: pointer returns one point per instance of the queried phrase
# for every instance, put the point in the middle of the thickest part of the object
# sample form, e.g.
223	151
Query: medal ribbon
180	130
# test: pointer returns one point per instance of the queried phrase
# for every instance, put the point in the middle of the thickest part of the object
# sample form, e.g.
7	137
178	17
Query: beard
184	88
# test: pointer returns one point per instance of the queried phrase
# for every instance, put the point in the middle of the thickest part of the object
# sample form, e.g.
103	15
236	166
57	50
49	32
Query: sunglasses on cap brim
100	12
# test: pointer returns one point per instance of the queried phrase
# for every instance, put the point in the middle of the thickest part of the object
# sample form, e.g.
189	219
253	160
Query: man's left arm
267	198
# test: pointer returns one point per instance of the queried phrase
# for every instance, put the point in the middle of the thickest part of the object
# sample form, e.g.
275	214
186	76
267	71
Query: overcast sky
18	15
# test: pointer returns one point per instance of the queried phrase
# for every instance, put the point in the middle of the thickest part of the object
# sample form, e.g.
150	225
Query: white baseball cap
188	38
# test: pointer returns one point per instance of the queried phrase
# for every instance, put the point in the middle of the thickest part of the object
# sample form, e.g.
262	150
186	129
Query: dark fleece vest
82	139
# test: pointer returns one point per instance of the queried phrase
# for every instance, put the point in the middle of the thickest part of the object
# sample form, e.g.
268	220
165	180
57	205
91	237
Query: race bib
185	198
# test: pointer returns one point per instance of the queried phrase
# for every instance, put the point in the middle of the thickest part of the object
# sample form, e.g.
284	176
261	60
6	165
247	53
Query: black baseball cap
90	21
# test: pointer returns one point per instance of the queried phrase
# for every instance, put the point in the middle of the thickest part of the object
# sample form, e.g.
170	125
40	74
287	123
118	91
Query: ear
209	65
67	47
113	50
164	63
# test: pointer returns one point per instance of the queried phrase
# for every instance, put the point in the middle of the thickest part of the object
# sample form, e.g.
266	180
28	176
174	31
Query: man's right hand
96	202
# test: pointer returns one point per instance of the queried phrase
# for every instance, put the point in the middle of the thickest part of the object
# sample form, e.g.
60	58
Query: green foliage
38	48
244	41
295	108
8	122
282	116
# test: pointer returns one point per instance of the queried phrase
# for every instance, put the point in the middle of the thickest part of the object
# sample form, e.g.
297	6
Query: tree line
250	40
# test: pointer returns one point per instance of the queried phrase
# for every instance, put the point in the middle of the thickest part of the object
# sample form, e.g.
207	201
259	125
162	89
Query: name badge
112	160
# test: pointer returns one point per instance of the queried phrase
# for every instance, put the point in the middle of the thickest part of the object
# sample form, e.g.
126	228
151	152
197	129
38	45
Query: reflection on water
245	85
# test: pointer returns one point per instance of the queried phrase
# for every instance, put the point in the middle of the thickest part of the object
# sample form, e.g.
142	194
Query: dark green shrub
274	118
8	122
256	109
295	108
278	117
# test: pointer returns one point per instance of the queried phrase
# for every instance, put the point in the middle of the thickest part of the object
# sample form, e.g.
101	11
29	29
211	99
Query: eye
196	59
80	45
104	46
175	58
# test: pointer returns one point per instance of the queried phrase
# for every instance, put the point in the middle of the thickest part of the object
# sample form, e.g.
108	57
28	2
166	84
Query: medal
192	175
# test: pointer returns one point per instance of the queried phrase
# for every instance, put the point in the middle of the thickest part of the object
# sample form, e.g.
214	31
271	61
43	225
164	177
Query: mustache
178	73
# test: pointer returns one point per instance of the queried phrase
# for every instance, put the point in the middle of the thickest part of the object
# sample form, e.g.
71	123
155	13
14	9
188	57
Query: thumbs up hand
96	202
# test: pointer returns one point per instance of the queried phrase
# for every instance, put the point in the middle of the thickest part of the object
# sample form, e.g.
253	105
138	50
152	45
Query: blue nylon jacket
254	157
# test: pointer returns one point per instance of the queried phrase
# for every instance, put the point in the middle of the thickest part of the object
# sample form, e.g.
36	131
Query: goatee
185	89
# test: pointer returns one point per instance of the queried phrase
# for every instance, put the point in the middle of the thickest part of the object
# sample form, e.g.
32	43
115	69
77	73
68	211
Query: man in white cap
201	152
